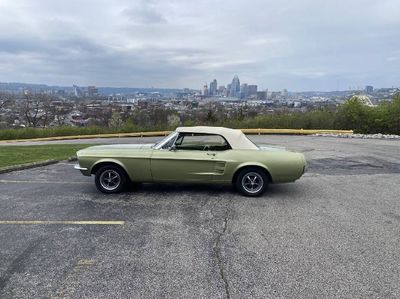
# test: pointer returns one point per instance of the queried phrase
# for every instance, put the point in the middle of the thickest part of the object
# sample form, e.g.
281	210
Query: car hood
120	146
112	148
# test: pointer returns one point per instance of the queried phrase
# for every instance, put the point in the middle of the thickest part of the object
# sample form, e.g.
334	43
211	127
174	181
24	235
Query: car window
202	142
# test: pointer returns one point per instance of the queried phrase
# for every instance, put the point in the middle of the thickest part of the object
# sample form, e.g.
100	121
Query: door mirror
172	148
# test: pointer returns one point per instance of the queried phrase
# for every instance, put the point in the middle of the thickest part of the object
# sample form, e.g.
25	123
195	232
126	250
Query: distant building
213	88
222	91
235	87
205	90
369	89
261	95
276	95
77	91
92	91
296	104
244	90
252	90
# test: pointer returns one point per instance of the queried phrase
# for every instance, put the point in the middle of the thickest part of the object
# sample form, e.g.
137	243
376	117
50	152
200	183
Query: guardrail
164	133
294	131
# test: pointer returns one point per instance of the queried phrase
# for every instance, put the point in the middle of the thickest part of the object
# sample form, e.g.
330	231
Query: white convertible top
235	138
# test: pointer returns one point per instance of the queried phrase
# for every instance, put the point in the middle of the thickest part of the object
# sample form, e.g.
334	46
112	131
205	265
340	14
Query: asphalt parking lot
335	233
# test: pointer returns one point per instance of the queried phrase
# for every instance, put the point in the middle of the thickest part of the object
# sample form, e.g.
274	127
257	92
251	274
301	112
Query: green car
192	155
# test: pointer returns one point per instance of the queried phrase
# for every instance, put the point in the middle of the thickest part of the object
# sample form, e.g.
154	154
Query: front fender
108	160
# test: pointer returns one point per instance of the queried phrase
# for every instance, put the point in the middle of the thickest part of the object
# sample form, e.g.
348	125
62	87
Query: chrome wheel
252	182
110	179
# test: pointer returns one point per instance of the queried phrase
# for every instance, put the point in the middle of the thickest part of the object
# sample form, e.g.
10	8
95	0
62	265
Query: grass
16	154
28	133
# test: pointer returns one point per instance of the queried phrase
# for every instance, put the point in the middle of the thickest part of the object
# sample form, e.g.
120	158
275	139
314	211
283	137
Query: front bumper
78	167
85	171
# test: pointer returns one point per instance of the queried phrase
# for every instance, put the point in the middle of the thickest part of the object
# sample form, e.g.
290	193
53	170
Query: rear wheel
110	179
251	182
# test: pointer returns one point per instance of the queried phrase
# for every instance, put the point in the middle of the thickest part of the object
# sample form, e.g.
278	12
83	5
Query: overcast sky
297	44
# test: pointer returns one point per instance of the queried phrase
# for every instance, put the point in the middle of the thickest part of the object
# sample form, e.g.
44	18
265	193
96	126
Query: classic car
192	155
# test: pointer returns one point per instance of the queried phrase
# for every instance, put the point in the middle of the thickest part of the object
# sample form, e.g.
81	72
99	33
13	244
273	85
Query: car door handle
211	154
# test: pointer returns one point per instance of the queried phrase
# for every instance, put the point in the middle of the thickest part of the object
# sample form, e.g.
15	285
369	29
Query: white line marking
41	182
68	222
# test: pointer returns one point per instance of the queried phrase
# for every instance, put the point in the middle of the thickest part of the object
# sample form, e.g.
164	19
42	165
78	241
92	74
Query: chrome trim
78	167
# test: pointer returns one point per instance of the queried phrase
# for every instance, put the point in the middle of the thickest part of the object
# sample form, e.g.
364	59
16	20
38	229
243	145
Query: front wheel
251	182
110	179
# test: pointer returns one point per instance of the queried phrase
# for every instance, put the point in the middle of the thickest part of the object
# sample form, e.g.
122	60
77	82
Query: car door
188	160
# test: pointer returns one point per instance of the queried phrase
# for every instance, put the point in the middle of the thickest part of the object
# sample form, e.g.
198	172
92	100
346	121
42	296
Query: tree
30	112
6	99
173	120
36	111
393	115
353	115
116	121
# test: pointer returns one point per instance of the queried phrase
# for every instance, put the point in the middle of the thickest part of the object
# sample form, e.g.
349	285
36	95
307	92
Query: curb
27	166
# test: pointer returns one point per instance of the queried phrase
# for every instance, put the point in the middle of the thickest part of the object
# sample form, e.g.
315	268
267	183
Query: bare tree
37	110
4	99
30	111
45	109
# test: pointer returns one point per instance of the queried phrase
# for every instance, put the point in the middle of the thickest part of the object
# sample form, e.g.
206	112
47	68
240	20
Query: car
198	154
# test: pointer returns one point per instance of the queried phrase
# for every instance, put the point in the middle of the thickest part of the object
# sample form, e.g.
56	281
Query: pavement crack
218	254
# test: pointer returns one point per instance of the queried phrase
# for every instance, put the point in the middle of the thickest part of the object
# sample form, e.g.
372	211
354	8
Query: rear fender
254	164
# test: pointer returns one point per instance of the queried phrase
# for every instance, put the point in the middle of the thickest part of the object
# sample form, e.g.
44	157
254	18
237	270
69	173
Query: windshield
165	141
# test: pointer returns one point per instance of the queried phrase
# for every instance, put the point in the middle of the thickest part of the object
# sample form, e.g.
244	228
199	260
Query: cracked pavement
335	233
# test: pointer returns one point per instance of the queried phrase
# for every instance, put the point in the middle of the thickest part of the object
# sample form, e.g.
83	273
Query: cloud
144	12
300	45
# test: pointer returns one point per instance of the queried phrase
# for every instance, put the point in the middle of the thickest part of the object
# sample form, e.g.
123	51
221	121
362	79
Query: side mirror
172	148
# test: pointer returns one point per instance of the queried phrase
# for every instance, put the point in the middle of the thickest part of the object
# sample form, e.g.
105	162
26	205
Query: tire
110	179
251	182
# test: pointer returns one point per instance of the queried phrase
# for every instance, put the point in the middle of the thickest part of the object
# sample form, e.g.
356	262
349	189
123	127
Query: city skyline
21	86
304	45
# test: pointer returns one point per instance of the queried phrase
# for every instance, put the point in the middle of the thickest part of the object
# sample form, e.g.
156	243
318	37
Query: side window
201	142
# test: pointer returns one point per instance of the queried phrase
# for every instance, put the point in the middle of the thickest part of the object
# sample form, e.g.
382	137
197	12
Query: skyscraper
213	88
235	87
205	90
77	91
244	92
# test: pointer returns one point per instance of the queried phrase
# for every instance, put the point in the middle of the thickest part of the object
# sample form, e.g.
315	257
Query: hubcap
110	179
252	182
